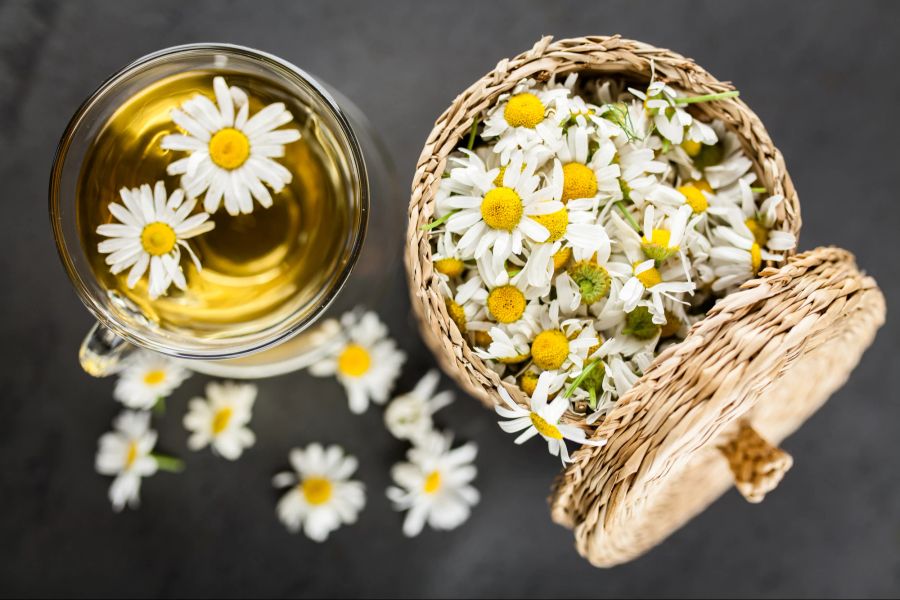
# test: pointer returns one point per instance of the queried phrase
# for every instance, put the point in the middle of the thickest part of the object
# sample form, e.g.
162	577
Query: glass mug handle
102	351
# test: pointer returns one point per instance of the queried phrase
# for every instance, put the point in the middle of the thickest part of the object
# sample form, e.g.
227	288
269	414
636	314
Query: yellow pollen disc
316	490
691	147
432	483
502	208
229	148
760	233
154	377
755	257
131	456
513	360
579	181
544	428
506	303
648	278
158	238
562	258
451	267
524	110
555	222
482	338
221	420
694	197
659	237
498	180
528	382
354	361
457	313
550	349
702	185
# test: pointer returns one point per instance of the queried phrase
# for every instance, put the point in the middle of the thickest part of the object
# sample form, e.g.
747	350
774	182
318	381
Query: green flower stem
620	204
708	97
160	407
439	222
593	402
581	376
168	463
758	190
472	133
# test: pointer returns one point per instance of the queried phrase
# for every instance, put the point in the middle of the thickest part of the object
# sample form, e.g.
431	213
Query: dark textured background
823	77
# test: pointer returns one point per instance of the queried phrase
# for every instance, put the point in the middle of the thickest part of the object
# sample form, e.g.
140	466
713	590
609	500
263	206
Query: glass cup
291	342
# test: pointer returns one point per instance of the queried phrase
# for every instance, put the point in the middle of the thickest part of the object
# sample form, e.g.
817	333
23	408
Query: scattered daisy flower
408	416
434	486
367	364
146	378
231	154
322	497
220	420
150	234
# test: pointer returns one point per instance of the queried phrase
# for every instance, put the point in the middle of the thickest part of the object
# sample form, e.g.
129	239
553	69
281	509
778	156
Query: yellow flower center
513	360
657	247
648	278
506	303
759	231
555	222
691	147
482	338
502	208
755	257
524	110
550	349
694	197
155	377
451	267
131	455
544	428
221	419
158	238
316	490
354	361
562	258
528	382
432	483
229	148
579	181
457	313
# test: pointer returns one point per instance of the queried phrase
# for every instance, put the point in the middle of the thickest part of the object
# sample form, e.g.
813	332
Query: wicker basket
704	415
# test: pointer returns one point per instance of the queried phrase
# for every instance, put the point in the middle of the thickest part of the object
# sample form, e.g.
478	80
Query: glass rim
237	346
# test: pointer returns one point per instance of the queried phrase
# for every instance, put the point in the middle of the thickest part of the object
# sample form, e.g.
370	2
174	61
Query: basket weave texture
704	414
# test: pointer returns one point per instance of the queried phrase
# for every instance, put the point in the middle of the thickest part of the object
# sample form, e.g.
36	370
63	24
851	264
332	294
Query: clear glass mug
294	341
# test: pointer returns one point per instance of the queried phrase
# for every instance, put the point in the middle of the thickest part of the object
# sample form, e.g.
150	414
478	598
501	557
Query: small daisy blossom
150	235
542	418
520	119
434	486
367	364
408	416
322	497
220	420
147	377
125	454
231	153
736	256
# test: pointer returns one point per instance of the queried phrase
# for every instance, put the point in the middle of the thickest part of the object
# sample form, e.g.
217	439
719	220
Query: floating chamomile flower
408	416
542	418
220	420
434	486
231	153
322	497
366	364
151	232
146	378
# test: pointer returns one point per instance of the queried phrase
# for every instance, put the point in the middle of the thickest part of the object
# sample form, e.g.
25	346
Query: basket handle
758	466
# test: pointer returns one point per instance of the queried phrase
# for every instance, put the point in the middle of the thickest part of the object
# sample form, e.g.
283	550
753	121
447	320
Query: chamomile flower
321	496
231	154
586	172
220	420
736	256
520	119
150	234
434	485
506	347
558	343
542	418
723	163
125	454
647	278
758	220
408	416
367	364
146	378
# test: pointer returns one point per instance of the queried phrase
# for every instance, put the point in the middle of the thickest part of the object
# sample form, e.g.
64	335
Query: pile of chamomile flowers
584	225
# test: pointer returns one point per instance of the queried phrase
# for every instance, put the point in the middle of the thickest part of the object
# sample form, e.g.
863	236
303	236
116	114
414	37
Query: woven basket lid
762	361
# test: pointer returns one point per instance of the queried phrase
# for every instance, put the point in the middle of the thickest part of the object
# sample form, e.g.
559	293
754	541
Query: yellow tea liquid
257	268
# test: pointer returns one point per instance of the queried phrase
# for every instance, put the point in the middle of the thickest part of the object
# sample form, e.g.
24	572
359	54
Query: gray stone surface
823	77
